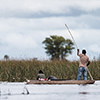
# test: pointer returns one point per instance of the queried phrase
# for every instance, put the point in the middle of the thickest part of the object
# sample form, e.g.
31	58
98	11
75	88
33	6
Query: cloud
70	12
95	48
24	24
43	9
20	41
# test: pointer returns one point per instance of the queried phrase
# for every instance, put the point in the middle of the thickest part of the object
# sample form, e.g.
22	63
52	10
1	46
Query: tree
6	57
58	47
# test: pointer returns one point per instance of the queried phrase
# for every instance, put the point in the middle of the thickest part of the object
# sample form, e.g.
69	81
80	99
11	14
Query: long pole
77	48
71	36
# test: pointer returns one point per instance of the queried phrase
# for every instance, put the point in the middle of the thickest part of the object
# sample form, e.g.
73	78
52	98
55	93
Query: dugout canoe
61	82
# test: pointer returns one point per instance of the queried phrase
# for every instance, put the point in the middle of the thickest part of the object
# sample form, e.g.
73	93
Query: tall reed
19	70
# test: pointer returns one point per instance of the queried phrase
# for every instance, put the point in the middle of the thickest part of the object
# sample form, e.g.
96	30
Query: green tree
6	57
58	47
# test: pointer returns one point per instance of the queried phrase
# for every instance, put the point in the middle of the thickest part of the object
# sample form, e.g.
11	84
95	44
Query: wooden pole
71	36
77	48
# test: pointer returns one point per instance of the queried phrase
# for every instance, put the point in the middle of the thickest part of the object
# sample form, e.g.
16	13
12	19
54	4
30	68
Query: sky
24	25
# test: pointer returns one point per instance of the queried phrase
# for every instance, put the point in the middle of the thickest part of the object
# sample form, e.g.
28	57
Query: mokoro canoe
61	82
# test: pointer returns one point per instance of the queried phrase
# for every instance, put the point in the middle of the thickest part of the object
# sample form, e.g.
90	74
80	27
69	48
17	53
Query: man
84	62
40	75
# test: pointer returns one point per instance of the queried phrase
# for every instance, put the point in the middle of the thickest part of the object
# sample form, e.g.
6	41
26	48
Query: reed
19	70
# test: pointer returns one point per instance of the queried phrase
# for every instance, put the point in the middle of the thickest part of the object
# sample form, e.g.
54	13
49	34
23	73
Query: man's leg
85	73
79	73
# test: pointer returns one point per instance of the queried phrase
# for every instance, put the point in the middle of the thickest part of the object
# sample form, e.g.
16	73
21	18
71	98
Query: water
21	91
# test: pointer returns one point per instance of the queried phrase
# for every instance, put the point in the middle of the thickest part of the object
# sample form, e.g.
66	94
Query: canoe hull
61	82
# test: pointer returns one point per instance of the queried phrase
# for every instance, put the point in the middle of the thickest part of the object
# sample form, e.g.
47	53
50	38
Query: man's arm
78	52
88	63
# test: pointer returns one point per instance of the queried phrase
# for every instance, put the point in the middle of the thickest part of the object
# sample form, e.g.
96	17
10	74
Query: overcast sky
24	24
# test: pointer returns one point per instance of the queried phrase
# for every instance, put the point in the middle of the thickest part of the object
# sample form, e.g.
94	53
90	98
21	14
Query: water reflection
21	91
84	93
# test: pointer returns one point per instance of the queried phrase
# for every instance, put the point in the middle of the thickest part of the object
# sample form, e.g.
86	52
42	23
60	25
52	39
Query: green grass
19	70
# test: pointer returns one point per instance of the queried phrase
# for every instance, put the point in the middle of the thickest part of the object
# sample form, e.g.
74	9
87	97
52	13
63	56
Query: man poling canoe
86	61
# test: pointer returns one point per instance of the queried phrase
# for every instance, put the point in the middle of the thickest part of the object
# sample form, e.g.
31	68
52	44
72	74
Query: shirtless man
84	62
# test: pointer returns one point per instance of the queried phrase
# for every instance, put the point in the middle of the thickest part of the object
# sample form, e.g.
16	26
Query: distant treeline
19	70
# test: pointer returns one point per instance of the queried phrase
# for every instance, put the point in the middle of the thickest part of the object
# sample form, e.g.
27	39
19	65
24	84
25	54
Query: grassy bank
19	70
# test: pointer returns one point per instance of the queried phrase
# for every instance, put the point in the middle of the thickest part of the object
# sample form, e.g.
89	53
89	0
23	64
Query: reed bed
19	70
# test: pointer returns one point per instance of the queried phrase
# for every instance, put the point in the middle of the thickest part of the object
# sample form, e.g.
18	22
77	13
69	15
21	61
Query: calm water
21	91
